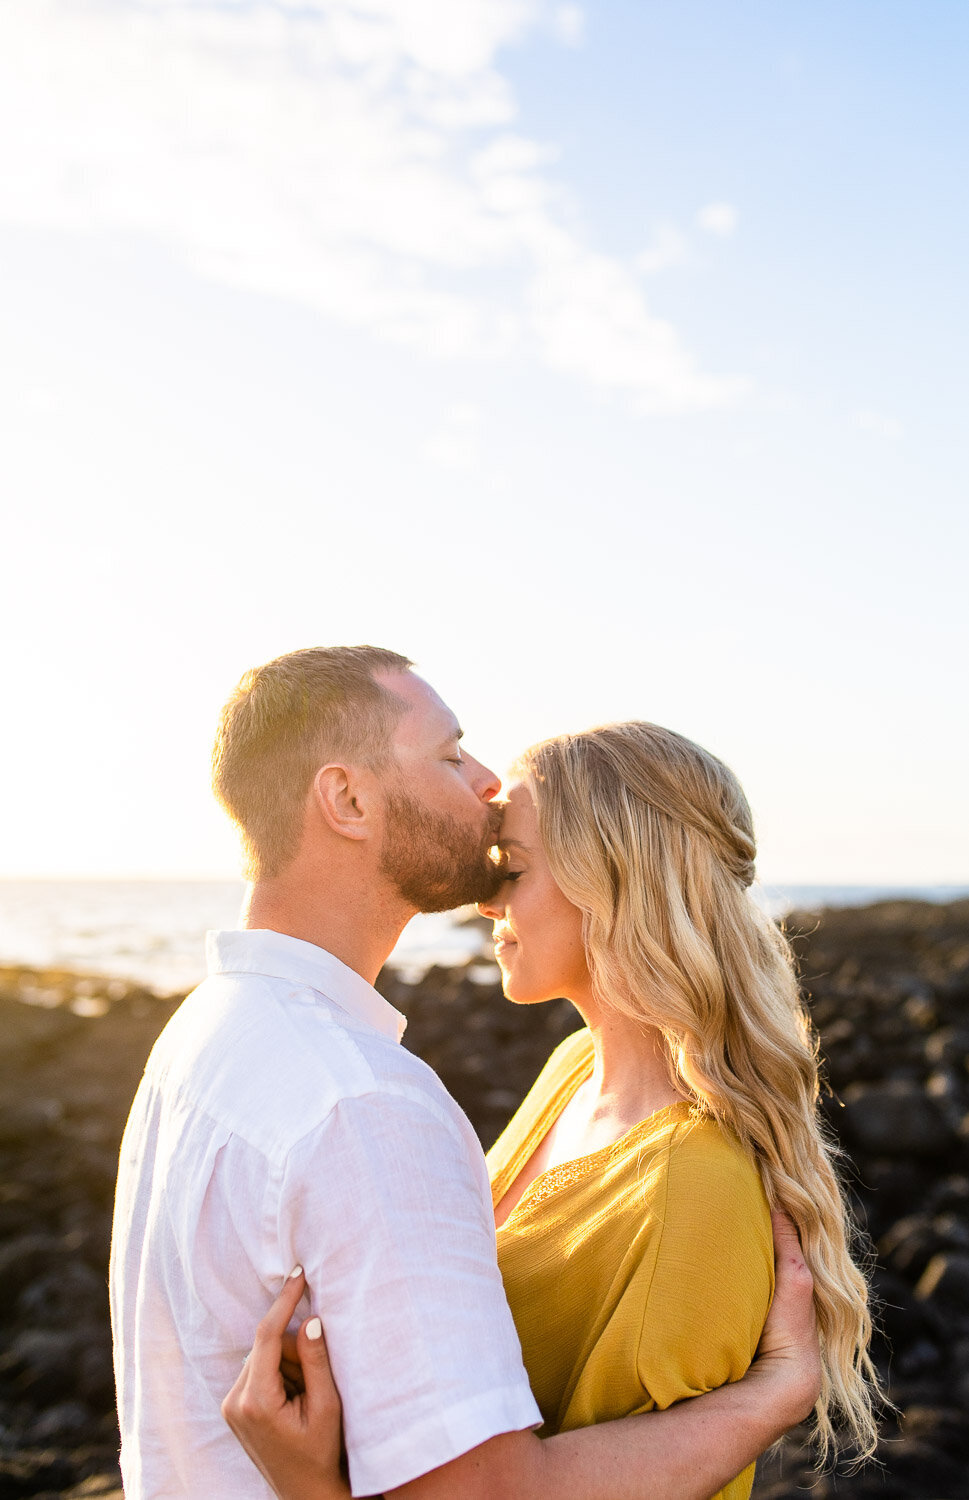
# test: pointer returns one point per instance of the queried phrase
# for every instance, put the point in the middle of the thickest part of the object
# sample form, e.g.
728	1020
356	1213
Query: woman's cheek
514	980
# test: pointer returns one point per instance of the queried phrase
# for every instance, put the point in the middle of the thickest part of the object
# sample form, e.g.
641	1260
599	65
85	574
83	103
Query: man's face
440	819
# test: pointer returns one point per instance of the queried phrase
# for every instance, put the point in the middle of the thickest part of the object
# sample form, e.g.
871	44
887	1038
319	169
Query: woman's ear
344	799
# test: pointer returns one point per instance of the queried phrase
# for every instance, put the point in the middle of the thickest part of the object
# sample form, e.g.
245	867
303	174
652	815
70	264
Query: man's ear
344	800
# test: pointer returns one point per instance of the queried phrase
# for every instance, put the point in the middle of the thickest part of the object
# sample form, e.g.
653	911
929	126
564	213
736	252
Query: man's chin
482	888
435	862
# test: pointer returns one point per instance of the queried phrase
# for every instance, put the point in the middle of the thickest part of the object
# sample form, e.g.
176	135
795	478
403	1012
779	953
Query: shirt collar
278	956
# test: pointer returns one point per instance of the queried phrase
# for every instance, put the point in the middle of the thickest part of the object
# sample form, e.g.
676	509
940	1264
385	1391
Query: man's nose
485	782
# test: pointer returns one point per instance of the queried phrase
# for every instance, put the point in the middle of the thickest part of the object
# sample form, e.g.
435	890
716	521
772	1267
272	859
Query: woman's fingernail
314	1329
296	1271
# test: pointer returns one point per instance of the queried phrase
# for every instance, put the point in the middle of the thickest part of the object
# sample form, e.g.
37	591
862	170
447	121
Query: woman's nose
490	909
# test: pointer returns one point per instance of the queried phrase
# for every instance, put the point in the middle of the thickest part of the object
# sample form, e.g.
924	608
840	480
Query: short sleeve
713	1277
386	1209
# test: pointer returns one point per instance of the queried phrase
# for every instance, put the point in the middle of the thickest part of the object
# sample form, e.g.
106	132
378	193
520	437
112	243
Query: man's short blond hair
283	722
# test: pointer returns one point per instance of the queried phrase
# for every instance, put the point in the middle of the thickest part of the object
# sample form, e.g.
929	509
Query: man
280	1122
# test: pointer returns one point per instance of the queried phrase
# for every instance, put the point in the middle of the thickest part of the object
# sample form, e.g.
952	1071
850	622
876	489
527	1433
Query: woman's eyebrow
513	844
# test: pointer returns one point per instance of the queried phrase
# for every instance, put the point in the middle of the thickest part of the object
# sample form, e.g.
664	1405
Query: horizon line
766	883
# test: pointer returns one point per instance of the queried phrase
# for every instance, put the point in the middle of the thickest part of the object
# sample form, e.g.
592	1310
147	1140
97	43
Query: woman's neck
630	1080
631	1073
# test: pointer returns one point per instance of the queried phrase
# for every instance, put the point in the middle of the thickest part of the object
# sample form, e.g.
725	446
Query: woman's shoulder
712	1274
712	1172
715	1250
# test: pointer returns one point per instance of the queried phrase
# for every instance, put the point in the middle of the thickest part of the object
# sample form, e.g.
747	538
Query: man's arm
686	1453
386	1207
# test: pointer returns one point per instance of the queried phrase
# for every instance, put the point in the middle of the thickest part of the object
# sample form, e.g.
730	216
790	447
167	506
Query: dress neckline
563	1174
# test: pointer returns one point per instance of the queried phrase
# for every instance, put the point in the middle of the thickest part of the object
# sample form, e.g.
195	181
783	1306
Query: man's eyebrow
514	844
456	734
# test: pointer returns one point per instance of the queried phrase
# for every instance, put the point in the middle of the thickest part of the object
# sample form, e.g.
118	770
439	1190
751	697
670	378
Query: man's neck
360	927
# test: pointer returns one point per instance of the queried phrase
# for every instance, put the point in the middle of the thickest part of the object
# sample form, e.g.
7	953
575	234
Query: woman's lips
504	945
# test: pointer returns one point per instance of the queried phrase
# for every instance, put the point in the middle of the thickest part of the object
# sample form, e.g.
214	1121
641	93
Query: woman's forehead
518	819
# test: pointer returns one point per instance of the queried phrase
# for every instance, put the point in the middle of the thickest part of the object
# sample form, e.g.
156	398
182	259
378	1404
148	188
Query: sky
608	360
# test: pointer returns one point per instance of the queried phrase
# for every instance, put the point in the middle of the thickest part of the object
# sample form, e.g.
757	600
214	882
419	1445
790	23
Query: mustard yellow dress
638	1275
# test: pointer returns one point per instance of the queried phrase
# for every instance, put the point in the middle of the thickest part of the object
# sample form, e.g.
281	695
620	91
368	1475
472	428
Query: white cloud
669	248
457	442
592	321
568	24
878	423
719	218
355	155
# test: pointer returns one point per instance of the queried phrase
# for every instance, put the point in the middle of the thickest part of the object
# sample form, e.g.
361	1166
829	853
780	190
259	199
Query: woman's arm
710	1285
687	1453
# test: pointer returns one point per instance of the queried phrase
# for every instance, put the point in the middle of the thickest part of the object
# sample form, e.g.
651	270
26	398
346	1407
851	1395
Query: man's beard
435	861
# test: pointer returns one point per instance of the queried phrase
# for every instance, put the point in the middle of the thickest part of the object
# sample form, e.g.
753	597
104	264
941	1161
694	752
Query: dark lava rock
59	1423
21	1259
945	1284
895	1118
25	1117
949	1045
66	1082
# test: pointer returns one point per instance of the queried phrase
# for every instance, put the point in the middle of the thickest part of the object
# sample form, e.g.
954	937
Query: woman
632	1187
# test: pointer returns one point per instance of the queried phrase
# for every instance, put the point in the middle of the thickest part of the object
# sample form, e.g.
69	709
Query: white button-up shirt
279	1122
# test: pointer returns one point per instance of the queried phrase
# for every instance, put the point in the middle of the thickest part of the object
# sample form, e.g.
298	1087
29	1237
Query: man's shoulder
270	1061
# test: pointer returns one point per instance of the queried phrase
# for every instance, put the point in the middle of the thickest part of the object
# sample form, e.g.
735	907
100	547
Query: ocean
153	931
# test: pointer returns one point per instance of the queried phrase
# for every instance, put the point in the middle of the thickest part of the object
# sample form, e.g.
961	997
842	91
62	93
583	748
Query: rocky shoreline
889	989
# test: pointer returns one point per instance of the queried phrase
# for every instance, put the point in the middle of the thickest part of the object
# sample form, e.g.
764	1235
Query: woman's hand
789	1355
293	1439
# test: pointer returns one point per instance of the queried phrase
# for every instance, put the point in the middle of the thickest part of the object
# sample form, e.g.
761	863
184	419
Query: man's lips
495	817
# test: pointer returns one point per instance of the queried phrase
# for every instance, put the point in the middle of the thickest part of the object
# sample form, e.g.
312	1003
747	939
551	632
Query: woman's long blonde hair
651	838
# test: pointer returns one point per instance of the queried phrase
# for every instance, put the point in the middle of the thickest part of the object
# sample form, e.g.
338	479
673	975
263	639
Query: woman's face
538	932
